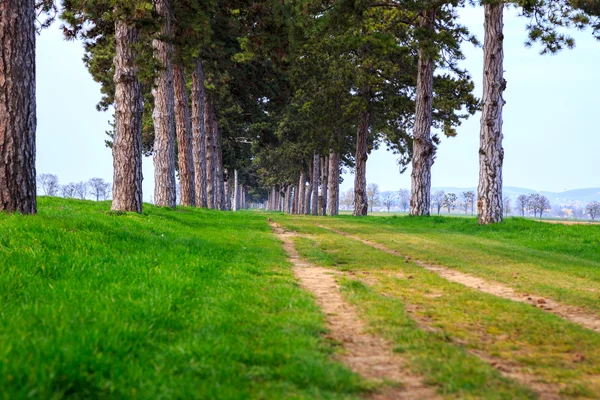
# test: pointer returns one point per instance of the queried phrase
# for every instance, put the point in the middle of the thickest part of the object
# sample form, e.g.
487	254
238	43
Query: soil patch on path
370	356
570	313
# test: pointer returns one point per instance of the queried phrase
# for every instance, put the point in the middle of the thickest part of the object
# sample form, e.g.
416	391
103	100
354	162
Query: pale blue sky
551	118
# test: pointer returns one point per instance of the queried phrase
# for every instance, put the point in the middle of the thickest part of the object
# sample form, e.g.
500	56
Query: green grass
558	261
457	321
183	304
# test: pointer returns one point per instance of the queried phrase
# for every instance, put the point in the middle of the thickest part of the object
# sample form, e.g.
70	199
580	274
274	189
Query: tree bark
199	134
183	128
210	169
165	192
316	175
287	199
361	204
17	107
236	191
127	146
301	193
491	153
324	184
333	192
423	147
222	204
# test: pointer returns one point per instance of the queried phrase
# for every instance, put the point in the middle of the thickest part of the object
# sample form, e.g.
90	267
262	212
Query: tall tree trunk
210	167
220	170
244	194
165	193
324	183
225	191
316	175
183	128
333	192
129	106
17	107
361	203
491	153
287	199
236	191
301	193
199	134
423	147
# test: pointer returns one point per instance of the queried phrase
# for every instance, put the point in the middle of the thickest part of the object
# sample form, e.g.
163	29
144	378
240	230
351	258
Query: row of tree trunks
423	147
17	107
209	157
127	145
163	114
199	134
324	185
183	129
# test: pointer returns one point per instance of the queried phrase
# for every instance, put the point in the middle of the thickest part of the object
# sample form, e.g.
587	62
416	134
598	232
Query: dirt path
369	356
571	313
559	222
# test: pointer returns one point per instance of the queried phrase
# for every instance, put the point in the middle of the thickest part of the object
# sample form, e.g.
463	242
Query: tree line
273	99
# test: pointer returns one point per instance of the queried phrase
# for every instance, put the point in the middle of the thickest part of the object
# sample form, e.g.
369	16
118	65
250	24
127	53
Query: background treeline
272	100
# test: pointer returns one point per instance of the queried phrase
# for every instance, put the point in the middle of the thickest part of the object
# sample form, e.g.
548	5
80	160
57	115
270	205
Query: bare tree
348	198
68	190
49	184
80	190
438	200
468	201
373	194
538	204
98	188
521	206
507	206
388	199
593	209
404	199
450	201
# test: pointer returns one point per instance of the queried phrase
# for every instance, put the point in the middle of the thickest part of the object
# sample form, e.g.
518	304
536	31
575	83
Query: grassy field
452	334
188	303
169	304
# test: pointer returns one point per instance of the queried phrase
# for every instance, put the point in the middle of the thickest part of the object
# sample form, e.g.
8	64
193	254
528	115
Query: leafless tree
468	201
438	200
49	184
404	199
373	195
507	206
80	190
99	188
538	204
388	199
348	198
521	206
450	201
68	190
593	209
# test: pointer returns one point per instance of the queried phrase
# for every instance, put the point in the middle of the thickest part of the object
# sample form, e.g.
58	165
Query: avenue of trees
273	100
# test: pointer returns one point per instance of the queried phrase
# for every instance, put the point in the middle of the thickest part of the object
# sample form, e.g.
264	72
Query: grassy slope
458	318
168	304
559	261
